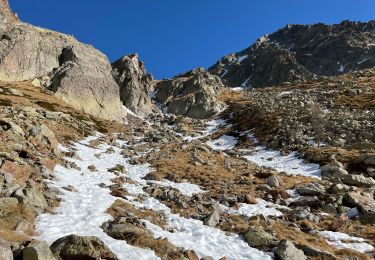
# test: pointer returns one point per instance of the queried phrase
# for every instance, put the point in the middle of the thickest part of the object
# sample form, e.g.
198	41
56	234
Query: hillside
102	161
298	53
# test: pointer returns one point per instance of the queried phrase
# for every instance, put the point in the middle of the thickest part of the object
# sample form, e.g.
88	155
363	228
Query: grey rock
369	159
365	203
329	209
126	231
358	180
135	84
192	94
77	247
310	251
44	135
37	250
273	181
32	196
287	251
258	237
333	171
212	219
307	201
312	189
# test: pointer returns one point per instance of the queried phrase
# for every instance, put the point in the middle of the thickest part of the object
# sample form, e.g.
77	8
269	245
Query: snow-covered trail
81	212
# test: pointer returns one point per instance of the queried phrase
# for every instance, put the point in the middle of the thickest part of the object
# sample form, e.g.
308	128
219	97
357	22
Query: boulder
258	237
77	73
212	219
333	171
135	84
311	189
33	197
273	181
126	231
84	248
37	250
358	180
41	134
287	251
192	94
365	203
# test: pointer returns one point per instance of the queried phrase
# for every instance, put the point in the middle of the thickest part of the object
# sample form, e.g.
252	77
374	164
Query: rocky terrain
298	53
101	161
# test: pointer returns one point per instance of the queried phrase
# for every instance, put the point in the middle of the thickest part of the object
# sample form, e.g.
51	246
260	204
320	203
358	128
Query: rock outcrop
192	94
135	84
77	73
300	53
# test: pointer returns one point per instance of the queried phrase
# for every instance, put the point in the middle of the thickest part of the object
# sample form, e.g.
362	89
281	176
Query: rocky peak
300	53
135	84
77	73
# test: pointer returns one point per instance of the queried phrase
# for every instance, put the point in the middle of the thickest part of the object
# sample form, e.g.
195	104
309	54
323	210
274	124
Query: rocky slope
284	172
298	53
192	94
77	73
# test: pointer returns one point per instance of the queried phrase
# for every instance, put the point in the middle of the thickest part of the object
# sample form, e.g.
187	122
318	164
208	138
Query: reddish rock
20	173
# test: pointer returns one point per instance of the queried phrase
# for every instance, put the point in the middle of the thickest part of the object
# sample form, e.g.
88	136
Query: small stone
273	181
15	92
212	219
92	168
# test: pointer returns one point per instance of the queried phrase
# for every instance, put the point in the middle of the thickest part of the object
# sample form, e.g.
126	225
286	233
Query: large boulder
77	73
135	84
192	94
83	248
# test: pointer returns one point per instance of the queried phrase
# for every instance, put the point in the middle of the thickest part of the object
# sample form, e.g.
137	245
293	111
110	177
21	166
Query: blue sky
173	36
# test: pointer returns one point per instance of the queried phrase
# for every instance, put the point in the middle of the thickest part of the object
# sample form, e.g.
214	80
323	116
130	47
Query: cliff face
300	53
78	73
135	84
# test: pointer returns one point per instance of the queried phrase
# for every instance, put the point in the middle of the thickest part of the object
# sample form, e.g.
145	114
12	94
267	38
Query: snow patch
261	208
342	240
185	188
241	58
223	143
289	164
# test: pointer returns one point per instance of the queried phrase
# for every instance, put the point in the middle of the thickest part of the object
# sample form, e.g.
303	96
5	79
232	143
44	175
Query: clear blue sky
173	36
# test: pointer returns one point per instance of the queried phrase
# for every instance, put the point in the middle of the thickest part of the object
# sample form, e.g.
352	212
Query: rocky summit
102	161
298	53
